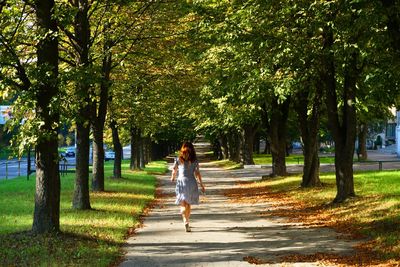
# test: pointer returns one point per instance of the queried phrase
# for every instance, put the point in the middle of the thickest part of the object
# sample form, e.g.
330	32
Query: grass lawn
88	238
374	214
291	159
226	164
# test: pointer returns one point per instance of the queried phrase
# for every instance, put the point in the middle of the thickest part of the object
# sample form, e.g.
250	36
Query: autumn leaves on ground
373	216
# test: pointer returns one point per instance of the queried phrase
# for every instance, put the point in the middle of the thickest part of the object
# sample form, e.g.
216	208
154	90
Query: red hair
187	153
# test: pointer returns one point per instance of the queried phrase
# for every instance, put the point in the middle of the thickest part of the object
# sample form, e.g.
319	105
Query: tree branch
21	73
71	37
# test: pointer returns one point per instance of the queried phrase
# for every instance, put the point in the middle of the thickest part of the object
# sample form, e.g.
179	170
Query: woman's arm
174	171
198	175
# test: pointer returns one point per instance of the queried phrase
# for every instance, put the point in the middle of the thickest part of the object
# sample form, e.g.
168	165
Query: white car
70	152
109	155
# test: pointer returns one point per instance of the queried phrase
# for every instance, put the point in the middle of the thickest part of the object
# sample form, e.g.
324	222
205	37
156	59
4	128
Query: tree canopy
160	72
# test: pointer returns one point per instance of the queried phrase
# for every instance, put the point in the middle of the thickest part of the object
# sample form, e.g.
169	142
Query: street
13	168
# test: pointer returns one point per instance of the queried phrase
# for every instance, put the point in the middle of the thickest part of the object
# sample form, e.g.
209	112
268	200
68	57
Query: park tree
75	46
30	71
352	40
121	31
247	71
151	83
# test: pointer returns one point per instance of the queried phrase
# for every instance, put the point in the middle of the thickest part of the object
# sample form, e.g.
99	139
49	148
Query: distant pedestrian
187	191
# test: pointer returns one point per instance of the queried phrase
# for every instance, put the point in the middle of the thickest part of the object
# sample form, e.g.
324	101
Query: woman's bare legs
188	209
185	211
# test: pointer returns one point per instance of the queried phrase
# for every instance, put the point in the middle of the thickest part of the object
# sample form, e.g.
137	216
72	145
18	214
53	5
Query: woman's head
187	152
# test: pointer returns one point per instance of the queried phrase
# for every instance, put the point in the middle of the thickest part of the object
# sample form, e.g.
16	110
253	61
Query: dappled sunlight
127	208
226	164
113	196
13	222
372	213
89	237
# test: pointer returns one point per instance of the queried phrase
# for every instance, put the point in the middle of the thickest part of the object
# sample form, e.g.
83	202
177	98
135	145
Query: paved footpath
223	233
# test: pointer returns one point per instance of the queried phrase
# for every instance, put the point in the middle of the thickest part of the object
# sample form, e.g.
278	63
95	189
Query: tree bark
99	115
267	148
147	150
133	150
224	146
362	141
234	146
342	123
217	150
309	127
142	164
277	131
81	199
117	173
266	124
249	131
256	146
46	217
98	155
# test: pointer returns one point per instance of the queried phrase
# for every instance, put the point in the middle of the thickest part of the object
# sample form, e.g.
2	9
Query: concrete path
223	233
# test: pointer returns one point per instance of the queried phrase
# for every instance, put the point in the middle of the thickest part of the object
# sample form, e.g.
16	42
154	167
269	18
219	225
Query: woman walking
187	191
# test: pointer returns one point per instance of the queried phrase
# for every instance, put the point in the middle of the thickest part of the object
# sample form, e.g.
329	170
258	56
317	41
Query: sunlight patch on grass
90	237
266	159
374	212
226	164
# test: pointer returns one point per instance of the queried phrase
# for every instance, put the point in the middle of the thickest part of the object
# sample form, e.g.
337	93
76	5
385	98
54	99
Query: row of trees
271	64
151	71
107	68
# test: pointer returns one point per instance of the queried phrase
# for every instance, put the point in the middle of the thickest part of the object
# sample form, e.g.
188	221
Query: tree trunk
147	150
141	151
256	146
98	155
234	146
341	123
249	131
46	217
266	124
133	150
278	132
362	141
224	146
99	115
267	148
309	127
117	173
81	198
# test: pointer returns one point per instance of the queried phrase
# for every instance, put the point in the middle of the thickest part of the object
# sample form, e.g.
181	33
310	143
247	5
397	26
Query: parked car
70	152
109	155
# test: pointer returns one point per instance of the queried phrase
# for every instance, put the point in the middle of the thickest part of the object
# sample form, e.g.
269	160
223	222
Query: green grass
375	212
226	164
291	159
88	238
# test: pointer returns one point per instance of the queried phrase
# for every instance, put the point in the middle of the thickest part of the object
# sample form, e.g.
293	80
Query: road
10	169
13	168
